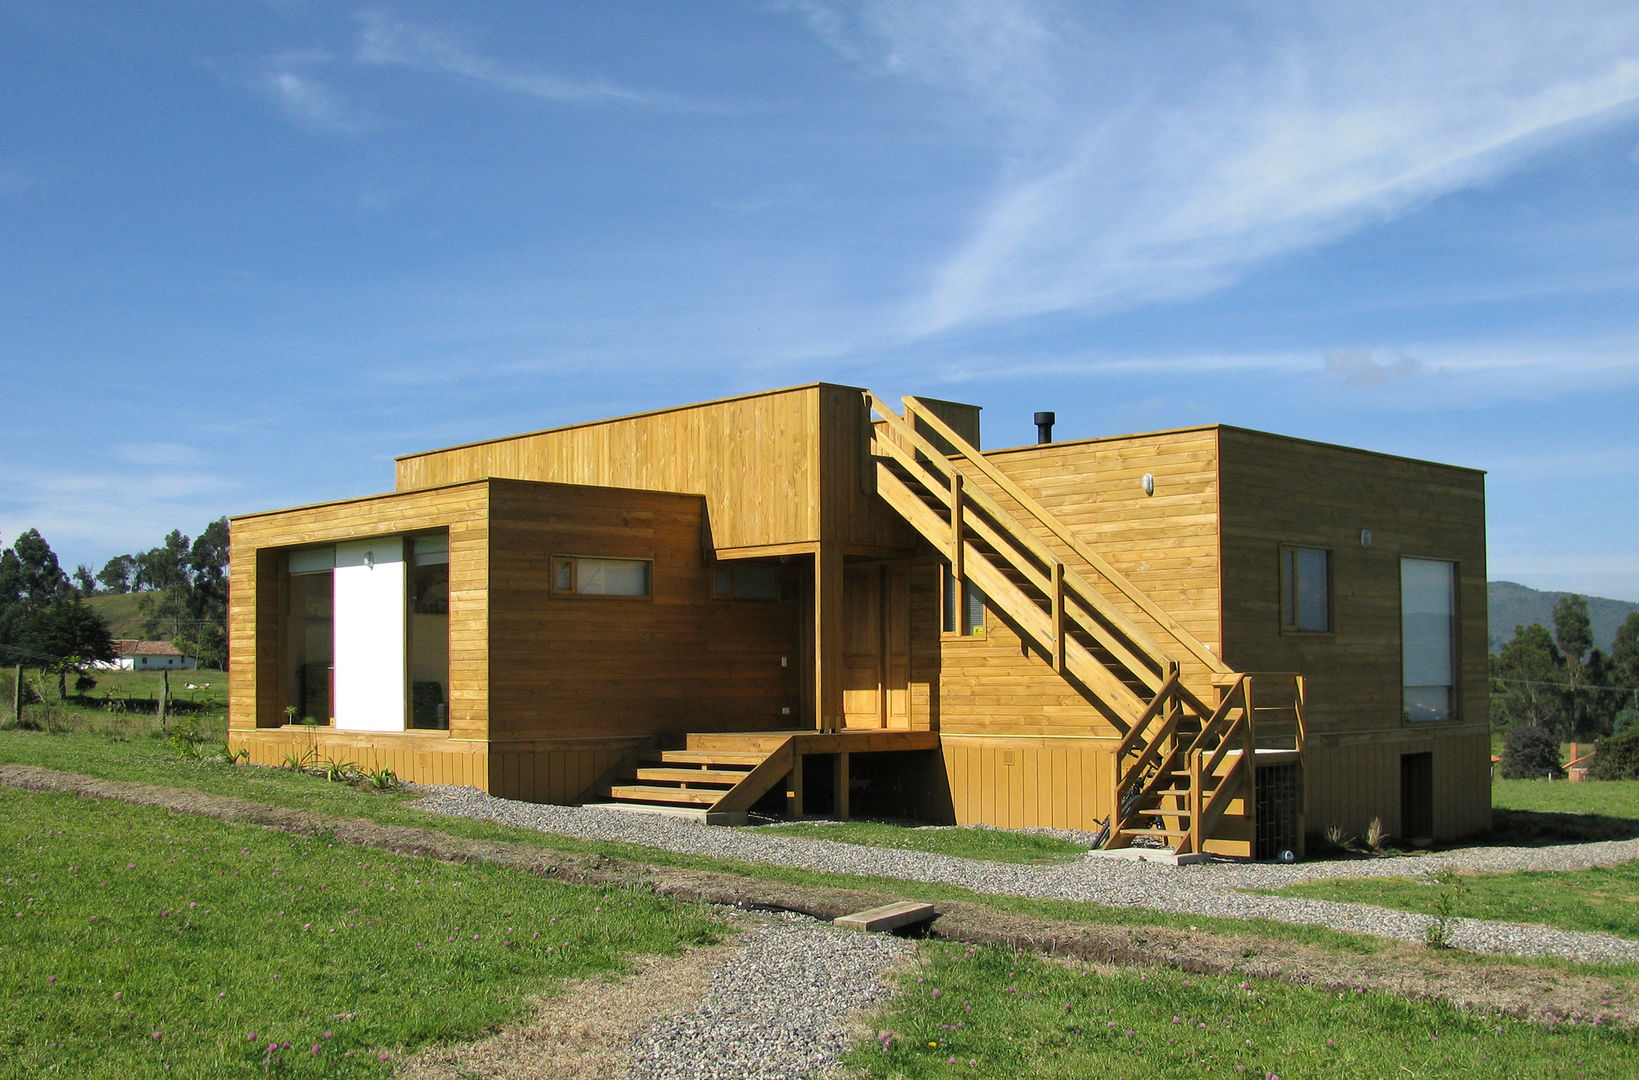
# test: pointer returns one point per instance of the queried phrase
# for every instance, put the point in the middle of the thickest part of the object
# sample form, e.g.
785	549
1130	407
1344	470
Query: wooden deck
717	777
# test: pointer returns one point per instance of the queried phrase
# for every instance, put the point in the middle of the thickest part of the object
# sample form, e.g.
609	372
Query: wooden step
726	777
652	794
749	758
1162	812
739	741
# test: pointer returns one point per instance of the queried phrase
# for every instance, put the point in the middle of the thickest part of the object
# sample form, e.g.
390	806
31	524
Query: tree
116	573
67	636
1624	669
166	566
207	599
1525	688
30	578
1530	752
1574	635
84	580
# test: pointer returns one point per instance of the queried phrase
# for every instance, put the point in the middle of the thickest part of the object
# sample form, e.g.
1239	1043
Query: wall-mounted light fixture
1365	538
370	559
1149	483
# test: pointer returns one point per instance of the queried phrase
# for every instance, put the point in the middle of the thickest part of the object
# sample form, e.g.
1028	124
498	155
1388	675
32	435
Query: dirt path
1523	989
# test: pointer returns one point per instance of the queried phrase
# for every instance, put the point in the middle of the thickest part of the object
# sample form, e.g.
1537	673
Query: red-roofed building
133	655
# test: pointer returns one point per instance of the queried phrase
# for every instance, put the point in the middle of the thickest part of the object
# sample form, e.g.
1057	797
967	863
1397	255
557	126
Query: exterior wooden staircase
712	778
1188	745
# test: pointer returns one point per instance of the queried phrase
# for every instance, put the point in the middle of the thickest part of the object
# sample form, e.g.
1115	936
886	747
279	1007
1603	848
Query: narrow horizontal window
746	581
583	575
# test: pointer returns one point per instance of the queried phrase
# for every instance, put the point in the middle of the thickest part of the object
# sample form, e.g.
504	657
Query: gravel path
777	1010
1203	889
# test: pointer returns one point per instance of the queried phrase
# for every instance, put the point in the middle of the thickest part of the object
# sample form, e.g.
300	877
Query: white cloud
385	41
1143	157
307	101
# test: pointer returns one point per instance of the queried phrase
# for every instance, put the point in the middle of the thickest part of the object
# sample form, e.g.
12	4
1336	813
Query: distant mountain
1514	605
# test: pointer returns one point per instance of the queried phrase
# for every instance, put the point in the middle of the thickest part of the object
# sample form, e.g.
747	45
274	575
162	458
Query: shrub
1616	757
1625	720
1530	752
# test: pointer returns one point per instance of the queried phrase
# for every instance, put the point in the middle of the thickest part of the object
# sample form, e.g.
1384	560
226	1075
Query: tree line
45	622
1549	687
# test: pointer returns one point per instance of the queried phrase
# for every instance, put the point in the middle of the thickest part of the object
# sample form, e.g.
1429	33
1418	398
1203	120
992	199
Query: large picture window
1428	638
1305	589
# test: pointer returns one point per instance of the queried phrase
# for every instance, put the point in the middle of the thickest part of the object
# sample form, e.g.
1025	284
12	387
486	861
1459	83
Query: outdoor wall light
370	560
1149	483
1365	538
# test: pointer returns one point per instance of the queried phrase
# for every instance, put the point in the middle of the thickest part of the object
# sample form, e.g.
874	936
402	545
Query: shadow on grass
1539	828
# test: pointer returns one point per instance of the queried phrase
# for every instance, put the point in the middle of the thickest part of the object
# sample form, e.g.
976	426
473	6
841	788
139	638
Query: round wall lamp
1365	538
1149	483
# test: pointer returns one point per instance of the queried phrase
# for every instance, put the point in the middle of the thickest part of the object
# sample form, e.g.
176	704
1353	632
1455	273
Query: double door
876	646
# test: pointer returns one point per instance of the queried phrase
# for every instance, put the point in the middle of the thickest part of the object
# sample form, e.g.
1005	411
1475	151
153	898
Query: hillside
1514	605
122	611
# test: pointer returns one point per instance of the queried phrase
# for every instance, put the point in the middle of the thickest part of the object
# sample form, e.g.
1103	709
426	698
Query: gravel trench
1201	889
778	1008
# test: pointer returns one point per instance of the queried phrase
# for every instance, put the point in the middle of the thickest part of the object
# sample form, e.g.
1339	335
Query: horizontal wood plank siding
755	460
419	757
1287	491
595	666
257	694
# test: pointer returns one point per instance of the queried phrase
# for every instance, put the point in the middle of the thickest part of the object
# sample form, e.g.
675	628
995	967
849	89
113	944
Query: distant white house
133	655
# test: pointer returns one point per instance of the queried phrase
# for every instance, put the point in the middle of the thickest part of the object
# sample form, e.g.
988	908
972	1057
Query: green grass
135	942
982	1012
992	845
1608	798
152	761
1603	899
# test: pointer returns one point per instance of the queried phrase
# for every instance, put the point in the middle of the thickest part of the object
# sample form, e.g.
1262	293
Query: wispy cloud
1359	367
1147	158
386	41
307	100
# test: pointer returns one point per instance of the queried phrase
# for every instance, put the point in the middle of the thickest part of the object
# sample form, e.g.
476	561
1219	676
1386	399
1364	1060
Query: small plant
301	762
236	756
290	714
1376	838
381	778
185	737
1437	931
333	769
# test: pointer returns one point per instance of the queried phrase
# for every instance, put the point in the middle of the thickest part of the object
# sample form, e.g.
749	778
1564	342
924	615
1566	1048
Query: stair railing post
1249	762
1115	800
1197	802
956	567
1058	616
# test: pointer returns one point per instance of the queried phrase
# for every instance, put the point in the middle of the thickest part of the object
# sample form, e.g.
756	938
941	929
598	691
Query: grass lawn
984	1012
1606	798
135	942
1604	899
993	845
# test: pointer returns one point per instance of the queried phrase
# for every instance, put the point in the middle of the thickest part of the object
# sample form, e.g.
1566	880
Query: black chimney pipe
1044	427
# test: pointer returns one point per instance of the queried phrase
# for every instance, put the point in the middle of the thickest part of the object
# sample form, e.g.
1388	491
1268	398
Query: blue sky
250	251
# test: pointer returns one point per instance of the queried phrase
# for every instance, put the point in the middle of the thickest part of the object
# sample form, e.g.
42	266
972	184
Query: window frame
559	560
734	570
968	618
1454	640
1291	582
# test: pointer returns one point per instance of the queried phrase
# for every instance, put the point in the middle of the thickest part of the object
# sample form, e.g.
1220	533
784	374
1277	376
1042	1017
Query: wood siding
257	694
607	666
1018	783
1286	491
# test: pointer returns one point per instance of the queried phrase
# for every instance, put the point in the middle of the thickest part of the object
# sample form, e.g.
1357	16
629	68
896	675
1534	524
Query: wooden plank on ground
888	917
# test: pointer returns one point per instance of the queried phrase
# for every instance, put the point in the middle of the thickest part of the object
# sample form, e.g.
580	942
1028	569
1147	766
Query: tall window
309	643
1305	589
1428	638
429	645
964	608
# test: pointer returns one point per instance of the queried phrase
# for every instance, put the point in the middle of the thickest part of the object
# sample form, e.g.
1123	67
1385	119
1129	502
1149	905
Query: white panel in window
369	635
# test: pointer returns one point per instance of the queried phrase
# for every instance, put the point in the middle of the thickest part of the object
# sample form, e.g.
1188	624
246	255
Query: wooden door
875	647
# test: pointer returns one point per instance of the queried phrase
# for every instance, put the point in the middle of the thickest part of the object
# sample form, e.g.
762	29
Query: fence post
164	698
17	697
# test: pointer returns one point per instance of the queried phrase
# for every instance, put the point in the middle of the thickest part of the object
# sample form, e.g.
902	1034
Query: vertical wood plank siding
1278	491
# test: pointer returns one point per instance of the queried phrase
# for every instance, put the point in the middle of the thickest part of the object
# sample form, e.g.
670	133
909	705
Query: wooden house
803	600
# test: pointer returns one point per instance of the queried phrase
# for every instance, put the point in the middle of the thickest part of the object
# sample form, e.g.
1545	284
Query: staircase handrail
1180	633
1089	596
1076	587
